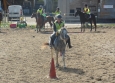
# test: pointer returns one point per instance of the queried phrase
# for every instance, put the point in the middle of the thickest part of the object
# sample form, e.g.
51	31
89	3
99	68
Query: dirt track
24	59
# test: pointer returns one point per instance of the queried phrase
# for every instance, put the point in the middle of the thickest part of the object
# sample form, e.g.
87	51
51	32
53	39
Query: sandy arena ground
24	59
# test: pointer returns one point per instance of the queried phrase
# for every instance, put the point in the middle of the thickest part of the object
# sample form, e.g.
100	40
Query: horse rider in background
87	11
58	24
41	11
57	12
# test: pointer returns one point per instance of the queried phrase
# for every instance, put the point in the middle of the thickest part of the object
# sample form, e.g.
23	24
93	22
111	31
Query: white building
69	6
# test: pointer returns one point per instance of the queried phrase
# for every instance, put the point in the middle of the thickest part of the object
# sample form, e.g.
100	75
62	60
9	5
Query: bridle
63	31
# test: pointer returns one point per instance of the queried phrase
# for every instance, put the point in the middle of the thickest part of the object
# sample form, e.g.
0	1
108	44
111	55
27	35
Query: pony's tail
53	19
46	44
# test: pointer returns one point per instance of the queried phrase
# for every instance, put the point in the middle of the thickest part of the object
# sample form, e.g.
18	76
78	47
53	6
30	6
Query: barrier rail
70	17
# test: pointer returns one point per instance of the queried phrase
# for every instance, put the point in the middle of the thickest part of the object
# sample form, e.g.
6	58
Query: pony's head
33	15
38	14
63	33
77	12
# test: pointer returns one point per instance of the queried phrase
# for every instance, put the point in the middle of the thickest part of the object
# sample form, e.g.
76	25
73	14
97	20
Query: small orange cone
52	70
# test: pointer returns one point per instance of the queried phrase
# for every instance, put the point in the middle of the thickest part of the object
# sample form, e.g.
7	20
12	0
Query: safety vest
40	11
87	10
57	12
59	26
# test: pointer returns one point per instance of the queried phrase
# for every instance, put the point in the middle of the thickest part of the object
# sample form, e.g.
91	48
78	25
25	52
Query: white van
14	11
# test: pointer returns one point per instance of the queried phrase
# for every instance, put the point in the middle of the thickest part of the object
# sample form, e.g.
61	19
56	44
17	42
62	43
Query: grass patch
7	25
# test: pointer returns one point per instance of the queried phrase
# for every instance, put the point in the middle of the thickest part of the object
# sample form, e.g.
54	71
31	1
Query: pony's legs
94	21
95	24
91	25
38	28
81	26
50	23
84	27
43	26
57	64
95	27
63	58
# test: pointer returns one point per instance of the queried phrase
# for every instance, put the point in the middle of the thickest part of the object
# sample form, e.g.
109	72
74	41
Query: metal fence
69	17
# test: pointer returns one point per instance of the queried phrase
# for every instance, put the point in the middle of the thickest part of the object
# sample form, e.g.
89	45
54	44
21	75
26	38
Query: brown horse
39	20
0	20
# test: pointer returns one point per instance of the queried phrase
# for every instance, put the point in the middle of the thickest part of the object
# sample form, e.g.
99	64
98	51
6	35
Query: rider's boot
69	43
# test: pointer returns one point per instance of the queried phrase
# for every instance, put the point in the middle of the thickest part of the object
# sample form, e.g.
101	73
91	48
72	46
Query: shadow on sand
72	70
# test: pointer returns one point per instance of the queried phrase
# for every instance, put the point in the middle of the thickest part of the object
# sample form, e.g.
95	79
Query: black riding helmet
57	8
59	16
85	5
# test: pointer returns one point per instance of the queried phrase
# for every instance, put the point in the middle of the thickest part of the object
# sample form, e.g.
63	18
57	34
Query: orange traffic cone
52	70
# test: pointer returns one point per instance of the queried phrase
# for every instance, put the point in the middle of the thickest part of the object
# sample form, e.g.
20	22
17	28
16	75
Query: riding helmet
57	8
86	5
41	6
59	16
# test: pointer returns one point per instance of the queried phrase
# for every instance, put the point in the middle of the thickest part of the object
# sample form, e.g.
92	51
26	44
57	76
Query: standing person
57	26
87	11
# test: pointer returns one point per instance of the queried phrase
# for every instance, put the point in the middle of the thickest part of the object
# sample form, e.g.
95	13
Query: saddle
87	16
42	16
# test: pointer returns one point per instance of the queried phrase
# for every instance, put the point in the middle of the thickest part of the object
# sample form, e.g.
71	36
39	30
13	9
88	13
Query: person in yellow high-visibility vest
58	24
57	11
87	11
40	10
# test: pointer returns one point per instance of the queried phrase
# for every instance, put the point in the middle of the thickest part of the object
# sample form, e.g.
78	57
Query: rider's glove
56	33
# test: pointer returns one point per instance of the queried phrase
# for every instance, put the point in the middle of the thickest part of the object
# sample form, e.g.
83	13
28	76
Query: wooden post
5	6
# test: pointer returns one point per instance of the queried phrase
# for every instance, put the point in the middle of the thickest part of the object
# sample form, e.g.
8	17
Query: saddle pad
13	26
